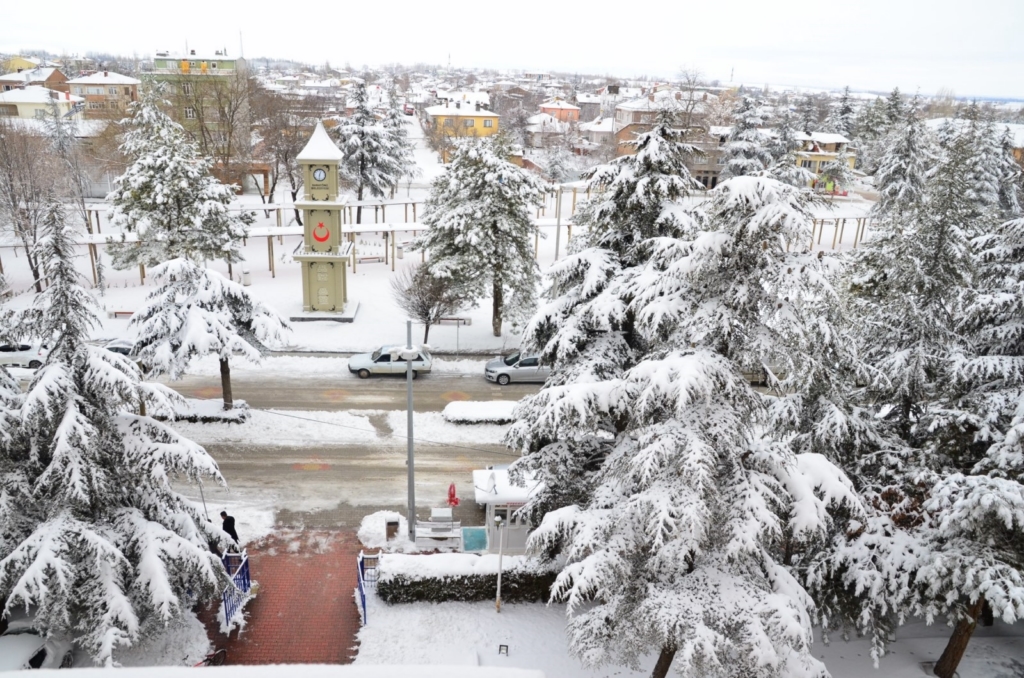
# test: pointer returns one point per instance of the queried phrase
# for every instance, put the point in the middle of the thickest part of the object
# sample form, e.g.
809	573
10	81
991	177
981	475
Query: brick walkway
304	611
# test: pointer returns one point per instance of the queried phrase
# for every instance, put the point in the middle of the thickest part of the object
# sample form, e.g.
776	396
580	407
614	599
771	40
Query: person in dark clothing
229	525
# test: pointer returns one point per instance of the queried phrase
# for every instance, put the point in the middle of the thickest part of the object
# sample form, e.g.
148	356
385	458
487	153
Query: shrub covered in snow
463	577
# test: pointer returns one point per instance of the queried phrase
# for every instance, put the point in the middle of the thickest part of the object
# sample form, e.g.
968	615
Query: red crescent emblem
327	232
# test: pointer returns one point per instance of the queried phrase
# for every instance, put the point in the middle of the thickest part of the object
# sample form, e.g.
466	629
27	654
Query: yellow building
459	121
20	63
820	148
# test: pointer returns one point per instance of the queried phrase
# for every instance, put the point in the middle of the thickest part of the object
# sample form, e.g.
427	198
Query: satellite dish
491	483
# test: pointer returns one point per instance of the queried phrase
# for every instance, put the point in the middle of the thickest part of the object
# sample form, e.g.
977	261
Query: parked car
408	110
22	647
518	368
380	362
24	355
122	346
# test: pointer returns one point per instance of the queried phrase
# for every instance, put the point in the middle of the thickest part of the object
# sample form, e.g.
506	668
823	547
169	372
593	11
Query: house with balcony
821	148
106	94
35	103
449	122
50	78
636	116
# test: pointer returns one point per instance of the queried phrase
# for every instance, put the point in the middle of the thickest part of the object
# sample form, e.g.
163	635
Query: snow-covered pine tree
746	150
807	114
168	197
1011	177
895	107
401	147
783	147
96	539
838	171
975	511
872	130
660	482
481	229
371	164
902	171
196	312
841	115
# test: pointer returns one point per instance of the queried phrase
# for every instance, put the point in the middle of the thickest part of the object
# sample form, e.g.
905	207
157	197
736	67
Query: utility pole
501	533
410	461
558	221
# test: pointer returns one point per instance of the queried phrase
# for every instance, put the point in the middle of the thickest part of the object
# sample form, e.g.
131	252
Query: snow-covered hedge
471	412
210	412
464	577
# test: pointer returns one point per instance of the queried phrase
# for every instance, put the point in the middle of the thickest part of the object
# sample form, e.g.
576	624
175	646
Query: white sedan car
21	647
24	355
385	360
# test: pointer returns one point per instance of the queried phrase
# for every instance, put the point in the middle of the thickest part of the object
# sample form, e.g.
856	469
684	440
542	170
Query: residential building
561	111
35	101
209	97
706	167
637	116
544	130
454	121
50	78
21	63
590	106
106	94
820	148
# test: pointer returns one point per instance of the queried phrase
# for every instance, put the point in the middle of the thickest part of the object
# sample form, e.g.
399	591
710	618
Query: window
186	88
40	113
449	122
127	91
112	90
96	105
488	123
469	122
383	359
529	362
190	113
806	163
37	659
78	90
95	90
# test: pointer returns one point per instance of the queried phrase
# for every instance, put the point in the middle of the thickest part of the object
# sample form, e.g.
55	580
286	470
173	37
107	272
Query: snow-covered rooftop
599	125
452	111
30	75
494	487
828	138
320	147
564	105
36	94
105	78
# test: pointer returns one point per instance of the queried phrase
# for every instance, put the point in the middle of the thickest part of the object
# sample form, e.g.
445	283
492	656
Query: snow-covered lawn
468	633
285	428
432	427
470	412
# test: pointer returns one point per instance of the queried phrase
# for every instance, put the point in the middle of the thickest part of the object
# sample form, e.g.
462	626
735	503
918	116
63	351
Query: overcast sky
974	47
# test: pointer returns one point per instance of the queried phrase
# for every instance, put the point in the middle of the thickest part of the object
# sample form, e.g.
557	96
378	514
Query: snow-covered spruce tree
196	312
911	286
902	171
168	197
96	539
663	486
746	150
975	511
895	107
837	171
872	131
1011	177
841	115
481	229
783	146
371	165
401	147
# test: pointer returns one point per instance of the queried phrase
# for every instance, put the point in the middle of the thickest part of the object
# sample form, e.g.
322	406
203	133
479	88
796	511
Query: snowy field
535	634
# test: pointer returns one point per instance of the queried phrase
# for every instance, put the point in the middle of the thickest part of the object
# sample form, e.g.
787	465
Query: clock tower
324	254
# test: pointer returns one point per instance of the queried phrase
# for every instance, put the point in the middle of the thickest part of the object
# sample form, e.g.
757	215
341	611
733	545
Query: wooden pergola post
92	262
835	231
270	255
813	226
414	211
821	229
573	211
842	227
394	249
407	213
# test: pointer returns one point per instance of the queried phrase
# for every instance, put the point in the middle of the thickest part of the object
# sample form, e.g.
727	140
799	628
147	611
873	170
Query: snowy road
346	392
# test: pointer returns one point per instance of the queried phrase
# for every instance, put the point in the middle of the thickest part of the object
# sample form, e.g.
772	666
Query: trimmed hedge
517	586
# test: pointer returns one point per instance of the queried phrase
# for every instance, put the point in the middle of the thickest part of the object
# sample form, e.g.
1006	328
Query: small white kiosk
501	498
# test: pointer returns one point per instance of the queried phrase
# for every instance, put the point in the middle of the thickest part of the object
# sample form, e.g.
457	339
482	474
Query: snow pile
440	565
182	641
431	427
210	411
473	412
286	428
373	532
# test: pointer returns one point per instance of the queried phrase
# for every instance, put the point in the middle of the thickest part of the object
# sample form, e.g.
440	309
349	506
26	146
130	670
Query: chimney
650	97
67	95
679	96
705	97
105	74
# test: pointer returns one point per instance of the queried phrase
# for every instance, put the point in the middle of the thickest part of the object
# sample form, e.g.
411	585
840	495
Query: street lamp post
410	461
501	532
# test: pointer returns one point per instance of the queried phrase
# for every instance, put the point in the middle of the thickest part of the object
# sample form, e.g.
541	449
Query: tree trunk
497	307
359	208
426	331
957	644
225	383
664	662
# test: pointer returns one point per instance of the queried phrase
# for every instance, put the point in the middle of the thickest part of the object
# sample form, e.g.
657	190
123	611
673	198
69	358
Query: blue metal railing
366	575
237	565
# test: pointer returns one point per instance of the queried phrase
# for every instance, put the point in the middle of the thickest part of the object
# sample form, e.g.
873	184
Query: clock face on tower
319	174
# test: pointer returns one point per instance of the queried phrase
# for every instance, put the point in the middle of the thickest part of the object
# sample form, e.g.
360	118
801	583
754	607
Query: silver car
21	647
380	362
518	368
24	355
